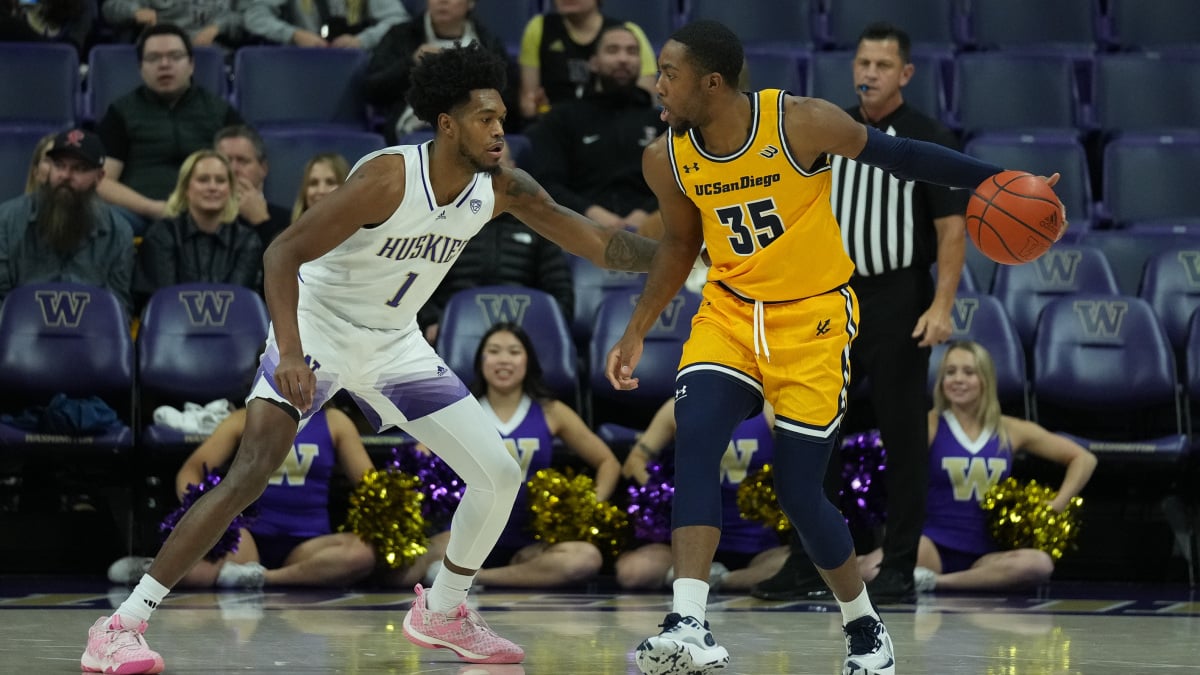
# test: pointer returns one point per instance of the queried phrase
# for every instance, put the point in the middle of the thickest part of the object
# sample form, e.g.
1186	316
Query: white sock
857	608
690	598
142	602
449	590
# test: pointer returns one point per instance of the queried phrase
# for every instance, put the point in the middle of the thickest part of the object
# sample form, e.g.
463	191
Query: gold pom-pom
564	508
385	511
757	502
1019	516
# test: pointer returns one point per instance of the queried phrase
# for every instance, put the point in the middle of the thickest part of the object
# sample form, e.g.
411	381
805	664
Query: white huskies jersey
382	275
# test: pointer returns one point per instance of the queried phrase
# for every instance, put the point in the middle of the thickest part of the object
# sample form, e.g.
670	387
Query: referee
894	230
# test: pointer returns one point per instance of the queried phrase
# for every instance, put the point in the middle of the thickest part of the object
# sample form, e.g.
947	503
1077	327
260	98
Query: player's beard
476	163
64	217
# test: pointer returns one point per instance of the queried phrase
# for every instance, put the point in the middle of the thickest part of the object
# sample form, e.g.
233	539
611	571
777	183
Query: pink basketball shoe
463	631
113	648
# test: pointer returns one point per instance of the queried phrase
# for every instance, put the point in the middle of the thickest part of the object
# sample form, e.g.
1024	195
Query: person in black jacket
441	25
588	153
507	252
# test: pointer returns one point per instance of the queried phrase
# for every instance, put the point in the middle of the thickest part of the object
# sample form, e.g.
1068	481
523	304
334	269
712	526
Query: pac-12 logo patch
476	204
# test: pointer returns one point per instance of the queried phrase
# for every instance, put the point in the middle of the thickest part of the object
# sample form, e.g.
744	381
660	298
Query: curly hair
444	80
713	48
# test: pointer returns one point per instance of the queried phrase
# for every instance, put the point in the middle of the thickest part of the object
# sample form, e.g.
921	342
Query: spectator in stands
206	22
39	164
67	21
290	541
247	154
508	383
749	551
444	23
349	24
588	153
555	52
322	175
972	448
62	231
202	239
152	129
505	251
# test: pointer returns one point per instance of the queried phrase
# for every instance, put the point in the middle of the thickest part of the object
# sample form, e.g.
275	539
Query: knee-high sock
799	473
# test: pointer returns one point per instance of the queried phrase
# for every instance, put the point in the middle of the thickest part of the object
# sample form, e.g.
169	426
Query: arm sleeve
247	268
531	43
645	51
229	23
910	159
262	18
391	61
119	11
155	261
114	135
551	162
384	14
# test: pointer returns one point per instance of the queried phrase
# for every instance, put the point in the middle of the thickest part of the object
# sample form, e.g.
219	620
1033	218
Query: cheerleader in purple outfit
749	552
971	449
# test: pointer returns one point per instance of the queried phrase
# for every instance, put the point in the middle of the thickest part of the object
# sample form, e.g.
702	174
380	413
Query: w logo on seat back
1057	269
1191	266
206	308
1101	318
669	318
62	309
963	315
507	307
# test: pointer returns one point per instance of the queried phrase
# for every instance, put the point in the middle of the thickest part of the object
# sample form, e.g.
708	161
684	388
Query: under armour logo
442	215
694	166
681	392
823	327
769	151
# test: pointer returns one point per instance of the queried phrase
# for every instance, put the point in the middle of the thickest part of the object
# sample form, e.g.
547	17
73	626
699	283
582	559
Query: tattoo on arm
521	185
630	252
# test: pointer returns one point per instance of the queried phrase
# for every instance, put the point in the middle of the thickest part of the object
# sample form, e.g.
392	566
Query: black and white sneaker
684	647
868	648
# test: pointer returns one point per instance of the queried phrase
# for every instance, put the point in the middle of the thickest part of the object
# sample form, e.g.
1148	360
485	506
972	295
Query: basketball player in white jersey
343	285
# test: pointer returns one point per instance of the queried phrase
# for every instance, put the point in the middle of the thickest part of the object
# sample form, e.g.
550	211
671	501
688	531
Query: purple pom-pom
650	504
228	543
442	487
863	497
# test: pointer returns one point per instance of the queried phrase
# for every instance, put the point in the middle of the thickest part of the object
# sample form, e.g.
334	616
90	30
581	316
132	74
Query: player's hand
933	327
296	381
1052	181
622	359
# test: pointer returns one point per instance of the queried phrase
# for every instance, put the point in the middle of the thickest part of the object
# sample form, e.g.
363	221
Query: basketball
1013	217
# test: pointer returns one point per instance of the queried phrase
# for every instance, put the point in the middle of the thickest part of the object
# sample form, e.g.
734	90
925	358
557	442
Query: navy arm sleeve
910	159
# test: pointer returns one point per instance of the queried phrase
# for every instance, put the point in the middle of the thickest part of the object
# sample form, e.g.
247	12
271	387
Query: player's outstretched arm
519	194
370	195
815	126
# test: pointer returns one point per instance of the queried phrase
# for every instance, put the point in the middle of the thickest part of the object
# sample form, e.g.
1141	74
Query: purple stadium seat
660	356
981	318
1044	154
993	91
288	151
777	70
1161	24
1146	92
505	20
1150	177
762	25
1128	250
40	82
16	149
591	283
932	23
966	280
197	343
1061	25
1104	370
71	339
1065	269
1171	284
830	73
295	86
113	71
471	312
657	19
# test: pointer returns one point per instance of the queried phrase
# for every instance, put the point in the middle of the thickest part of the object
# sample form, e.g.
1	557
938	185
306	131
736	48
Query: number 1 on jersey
754	225
395	301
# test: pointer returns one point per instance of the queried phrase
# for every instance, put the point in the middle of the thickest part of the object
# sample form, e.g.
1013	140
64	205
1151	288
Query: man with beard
588	153
63	232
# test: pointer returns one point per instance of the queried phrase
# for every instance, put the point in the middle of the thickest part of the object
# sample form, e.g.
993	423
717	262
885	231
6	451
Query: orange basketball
1013	217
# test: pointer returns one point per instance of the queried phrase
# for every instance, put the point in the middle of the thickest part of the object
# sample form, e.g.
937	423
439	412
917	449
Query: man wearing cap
63	231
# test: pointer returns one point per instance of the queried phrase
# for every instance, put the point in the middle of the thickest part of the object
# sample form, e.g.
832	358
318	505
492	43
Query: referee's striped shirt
887	223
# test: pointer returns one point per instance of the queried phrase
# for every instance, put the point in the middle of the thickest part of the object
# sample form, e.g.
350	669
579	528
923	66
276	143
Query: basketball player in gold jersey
747	174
